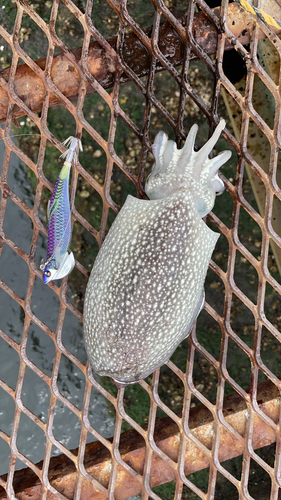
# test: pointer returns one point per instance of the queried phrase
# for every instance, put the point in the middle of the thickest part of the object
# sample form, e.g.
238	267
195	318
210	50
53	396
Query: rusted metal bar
63	475
30	87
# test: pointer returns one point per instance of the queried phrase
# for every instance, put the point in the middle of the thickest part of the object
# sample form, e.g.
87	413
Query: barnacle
146	286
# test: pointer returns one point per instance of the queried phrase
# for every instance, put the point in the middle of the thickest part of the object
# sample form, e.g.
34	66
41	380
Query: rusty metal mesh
193	436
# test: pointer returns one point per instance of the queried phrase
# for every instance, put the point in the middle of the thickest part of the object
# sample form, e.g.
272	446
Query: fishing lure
146	287
60	261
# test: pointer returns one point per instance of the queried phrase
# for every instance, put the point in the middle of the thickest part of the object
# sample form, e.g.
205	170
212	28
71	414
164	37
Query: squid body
146	287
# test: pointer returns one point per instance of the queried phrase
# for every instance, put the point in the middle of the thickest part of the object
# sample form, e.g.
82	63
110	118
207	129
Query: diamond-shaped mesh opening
30	433
64	423
273	262
220	255
200	479
208	334
259	481
205	424
215	291
171	389
208	417
250	233
88	203
234	467
8	17
269	345
40	349
272	306
205	379
11	267
267	453
5	453
33	41
270	59
159	122
61	122
95	107
70	382
142	13
93	159
105	20
137	404
39	401
225	214
260	155
119	179
45	304
17	178
132	102
190	493
68	27
72	335
276	211
225	487
101	415
165	490
278	175
162	81
22	237
12	322
246	277
238	365
267	110
8	409
202	82
242	321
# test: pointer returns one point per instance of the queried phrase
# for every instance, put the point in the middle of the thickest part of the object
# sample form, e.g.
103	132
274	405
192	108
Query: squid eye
218	186
48	274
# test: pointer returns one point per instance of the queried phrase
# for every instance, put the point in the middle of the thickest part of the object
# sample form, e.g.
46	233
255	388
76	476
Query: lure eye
48	274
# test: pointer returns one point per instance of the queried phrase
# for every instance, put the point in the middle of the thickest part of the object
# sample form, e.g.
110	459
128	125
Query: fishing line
19	135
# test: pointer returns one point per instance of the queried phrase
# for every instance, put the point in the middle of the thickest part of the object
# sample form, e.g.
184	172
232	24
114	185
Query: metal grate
165	68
